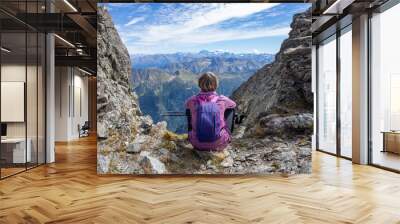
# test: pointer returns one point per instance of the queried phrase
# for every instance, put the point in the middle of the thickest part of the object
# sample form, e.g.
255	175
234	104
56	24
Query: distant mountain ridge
216	61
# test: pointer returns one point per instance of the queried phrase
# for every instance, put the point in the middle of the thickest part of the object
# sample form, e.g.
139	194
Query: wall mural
204	88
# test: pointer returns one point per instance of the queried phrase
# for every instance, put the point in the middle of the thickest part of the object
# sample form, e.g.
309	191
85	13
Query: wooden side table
391	141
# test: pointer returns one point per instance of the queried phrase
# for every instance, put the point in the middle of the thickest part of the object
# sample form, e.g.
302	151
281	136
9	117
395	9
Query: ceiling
330	15
73	21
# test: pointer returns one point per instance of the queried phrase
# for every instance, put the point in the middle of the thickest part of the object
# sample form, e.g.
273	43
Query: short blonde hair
208	82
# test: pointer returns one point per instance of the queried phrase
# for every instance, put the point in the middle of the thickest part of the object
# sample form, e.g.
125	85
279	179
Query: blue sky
151	28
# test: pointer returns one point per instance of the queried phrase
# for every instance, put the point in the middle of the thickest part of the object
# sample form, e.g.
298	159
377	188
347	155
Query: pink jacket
225	136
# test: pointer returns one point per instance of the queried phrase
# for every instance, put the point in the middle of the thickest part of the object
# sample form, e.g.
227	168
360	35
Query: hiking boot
217	156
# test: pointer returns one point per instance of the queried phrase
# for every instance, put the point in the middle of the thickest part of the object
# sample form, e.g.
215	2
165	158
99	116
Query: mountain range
203	61
164	81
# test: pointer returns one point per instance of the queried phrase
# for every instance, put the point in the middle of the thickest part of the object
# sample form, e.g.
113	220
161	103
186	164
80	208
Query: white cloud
202	17
207	35
196	24
188	23
199	38
223	12
134	21
212	36
117	5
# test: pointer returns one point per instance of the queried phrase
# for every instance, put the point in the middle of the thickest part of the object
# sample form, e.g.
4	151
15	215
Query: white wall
79	117
62	81
12	73
33	126
13	101
70	83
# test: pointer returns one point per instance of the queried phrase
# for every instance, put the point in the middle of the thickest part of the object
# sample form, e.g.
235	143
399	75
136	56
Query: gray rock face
282	88
285	124
121	128
278	103
151	165
115	103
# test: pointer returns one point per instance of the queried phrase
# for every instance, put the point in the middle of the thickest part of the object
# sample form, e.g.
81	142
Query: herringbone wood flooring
69	191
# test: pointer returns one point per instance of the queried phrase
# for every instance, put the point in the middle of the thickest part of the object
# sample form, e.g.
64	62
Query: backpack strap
215	99
197	100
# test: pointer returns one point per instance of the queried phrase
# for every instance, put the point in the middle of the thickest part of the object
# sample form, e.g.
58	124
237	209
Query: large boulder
282	88
282	124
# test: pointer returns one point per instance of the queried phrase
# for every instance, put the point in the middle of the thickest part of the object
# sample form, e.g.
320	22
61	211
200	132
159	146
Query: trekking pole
175	113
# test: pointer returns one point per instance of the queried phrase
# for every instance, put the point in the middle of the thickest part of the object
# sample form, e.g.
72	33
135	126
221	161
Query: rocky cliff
278	98
121	127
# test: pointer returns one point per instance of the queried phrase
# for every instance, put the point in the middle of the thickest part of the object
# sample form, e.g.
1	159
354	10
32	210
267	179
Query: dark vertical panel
69	98
369	78
1	53
317	97
45	87
92	106
42	99
32	90
37	91
73	91
338	73
26	79
60	88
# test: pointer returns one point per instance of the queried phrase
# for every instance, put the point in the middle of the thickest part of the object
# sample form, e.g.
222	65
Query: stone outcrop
121	126
278	97
114	100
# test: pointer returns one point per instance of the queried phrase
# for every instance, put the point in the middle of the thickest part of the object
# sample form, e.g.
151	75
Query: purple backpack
208	123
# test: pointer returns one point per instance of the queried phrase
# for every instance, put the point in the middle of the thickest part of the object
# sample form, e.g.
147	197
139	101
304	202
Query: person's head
208	82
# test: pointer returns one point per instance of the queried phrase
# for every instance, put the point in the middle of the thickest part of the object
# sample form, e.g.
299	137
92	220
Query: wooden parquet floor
69	191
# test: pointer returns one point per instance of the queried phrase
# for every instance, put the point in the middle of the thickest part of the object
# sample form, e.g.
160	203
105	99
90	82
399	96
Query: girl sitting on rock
209	131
